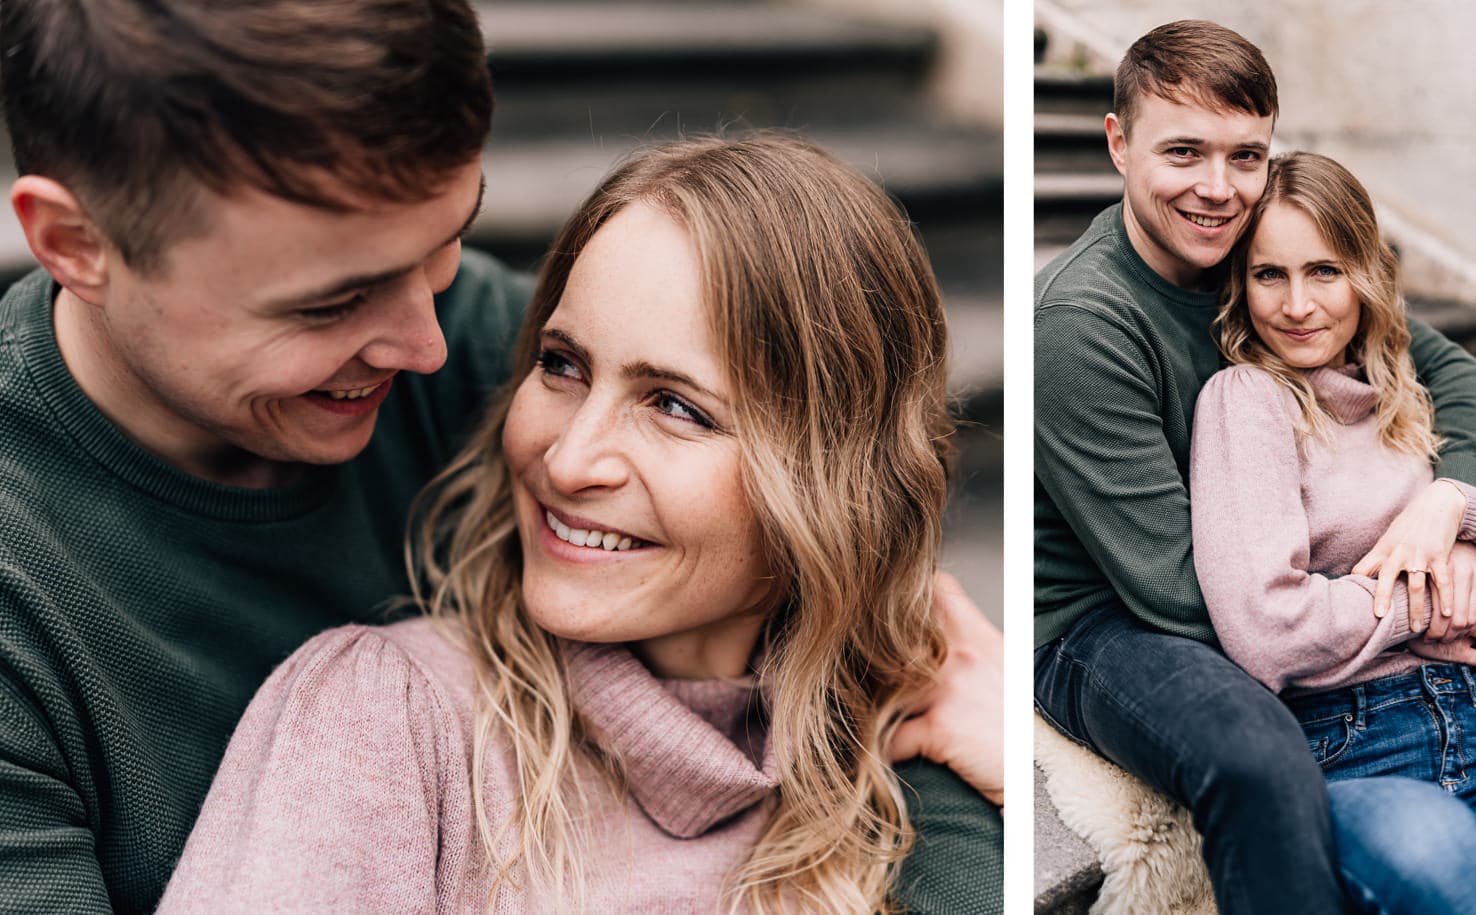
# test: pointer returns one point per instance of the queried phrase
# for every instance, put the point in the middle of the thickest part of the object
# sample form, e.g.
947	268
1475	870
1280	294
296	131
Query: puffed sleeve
332	794
1283	623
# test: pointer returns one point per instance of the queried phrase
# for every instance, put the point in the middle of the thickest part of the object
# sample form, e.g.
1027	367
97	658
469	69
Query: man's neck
1170	270
123	398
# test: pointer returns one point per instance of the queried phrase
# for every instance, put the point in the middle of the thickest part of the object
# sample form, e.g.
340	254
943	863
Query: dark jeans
1182	717
1400	753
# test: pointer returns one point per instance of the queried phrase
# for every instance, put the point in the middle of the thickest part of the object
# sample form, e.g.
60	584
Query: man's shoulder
20	305
1094	252
1092	276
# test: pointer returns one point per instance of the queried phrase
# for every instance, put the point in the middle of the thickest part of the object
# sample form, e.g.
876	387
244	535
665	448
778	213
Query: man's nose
408	336
1214	184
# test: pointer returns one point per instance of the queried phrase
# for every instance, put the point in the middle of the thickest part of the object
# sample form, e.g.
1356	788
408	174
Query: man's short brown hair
137	104
1196	61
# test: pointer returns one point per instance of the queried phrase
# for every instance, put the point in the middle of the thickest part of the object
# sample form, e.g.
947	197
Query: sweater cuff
1468	519
1397	619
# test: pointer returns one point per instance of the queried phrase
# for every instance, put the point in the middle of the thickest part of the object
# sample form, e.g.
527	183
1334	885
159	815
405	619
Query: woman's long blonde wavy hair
1343	212
826	313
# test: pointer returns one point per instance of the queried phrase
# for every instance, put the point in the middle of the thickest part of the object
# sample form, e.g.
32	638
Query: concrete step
532	187
1067	872
1060	91
1050	188
1068	126
976	360
1071	143
596	68
550	39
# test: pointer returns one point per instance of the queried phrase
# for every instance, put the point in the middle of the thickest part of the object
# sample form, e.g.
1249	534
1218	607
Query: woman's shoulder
419	662
1245	386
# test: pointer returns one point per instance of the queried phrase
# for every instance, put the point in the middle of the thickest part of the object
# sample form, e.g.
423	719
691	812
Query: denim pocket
1329	738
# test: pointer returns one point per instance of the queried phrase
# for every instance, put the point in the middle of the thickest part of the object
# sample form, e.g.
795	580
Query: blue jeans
1182	717
1396	751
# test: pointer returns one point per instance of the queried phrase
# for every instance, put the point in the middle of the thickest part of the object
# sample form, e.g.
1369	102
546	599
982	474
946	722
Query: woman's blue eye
672	405
1267	273
1327	270
554	363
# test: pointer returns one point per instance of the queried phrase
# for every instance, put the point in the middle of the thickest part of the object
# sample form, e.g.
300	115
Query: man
1126	661
255	337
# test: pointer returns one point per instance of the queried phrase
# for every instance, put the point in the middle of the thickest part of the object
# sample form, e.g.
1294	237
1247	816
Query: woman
1304	452
678	584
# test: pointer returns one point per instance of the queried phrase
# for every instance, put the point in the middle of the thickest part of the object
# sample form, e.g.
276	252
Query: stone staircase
1074	178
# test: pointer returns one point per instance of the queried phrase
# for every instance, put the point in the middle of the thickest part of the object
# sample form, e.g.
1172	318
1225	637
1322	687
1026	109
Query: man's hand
1454	617
960	723
1417	544
1458	652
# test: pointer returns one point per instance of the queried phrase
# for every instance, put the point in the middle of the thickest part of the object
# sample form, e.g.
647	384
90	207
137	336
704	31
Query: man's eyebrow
363	280
638	369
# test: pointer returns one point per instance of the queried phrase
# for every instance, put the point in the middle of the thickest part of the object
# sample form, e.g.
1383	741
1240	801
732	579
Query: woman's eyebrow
643	369
640	368
568	340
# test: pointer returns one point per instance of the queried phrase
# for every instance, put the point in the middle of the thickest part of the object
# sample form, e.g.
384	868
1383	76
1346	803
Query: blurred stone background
908	91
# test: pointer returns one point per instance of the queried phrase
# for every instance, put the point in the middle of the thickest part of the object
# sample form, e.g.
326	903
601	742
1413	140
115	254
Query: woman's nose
590	451
1299	302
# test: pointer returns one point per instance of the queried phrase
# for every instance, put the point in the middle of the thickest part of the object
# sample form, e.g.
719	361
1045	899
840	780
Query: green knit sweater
140	609
1120	356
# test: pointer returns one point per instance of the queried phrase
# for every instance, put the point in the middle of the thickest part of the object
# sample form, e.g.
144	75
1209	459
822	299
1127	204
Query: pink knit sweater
347	786
1278	525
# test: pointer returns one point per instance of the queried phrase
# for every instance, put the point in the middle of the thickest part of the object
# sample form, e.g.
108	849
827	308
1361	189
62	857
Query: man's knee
1260	758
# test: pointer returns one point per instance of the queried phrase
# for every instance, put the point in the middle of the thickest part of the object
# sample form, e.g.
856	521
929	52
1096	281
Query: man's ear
63	238
1117	143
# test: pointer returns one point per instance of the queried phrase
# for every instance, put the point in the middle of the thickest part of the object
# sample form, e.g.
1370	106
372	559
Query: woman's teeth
604	540
354	394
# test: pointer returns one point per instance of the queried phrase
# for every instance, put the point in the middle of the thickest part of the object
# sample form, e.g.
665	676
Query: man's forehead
317	252
1191	113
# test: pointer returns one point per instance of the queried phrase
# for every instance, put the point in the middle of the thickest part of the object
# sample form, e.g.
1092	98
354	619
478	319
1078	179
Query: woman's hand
960	723
1417	544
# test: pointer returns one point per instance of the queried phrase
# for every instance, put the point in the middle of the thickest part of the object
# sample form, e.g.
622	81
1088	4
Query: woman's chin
567	617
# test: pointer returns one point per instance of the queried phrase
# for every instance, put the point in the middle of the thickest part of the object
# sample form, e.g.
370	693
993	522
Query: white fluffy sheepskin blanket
1147	844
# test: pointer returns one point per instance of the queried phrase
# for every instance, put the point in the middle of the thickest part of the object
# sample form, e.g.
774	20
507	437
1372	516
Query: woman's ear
62	236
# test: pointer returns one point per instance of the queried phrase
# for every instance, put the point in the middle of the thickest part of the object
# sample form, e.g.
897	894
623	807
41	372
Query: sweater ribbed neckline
1343	392
95	434
679	741
1188	298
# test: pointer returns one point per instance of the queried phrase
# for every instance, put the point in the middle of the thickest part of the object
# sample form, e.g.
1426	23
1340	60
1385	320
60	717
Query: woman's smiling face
625	469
